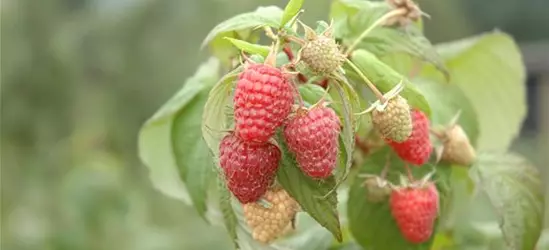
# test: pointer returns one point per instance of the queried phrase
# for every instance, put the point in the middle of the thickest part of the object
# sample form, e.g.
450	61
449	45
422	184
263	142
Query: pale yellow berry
457	148
267	224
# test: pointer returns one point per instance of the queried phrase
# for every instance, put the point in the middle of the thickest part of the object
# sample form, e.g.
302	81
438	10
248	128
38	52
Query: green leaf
385	78
250	47
515	191
312	93
352	17
371	223
229	216
489	70
447	106
308	192
346	96
217	112
292	8
155	137
240	27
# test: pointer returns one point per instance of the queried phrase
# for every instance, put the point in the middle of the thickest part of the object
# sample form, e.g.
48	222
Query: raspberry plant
288	107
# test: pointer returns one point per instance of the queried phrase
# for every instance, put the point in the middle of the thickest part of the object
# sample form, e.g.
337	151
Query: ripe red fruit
417	148
312	135
249	168
415	210
263	99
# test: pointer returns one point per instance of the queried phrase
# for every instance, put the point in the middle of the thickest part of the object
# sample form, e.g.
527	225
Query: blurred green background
79	78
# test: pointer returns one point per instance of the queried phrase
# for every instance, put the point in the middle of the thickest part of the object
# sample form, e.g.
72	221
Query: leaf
250	47
217	110
449	99
346	96
515	191
312	93
352	17
155	143
229	216
385	78
292	8
240	26
489	70
191	152
308	192
371	223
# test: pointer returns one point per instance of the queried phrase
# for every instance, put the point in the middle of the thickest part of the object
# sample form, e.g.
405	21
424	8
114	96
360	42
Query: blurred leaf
292	8
155	143
308	192
229	216
445	106
250	47
489	70
515	191
240	27
371	223
385	78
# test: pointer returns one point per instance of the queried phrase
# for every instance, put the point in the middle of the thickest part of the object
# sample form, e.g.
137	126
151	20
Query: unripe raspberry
415	209
417	148
457	148
267	224
394	122
249	168
322	55
312	135
263	98
377	189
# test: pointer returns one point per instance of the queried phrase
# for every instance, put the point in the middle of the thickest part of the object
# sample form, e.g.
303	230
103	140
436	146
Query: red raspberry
249	168
415	210
313	137
262	101
417	148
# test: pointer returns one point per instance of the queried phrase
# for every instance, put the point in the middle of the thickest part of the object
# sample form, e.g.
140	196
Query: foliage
480	77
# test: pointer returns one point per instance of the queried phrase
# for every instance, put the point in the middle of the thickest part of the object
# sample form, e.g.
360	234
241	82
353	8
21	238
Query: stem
386	167
370	85
409	171
378	22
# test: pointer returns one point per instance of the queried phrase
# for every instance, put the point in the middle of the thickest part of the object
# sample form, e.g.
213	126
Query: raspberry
322	55
417	148
457	148
249	168
263	98
415	209
395	121
267	224
312	135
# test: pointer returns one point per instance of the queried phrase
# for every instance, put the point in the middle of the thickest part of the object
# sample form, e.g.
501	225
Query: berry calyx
312	135
415	208
249	168
268	224
417	148
263	98
394	121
